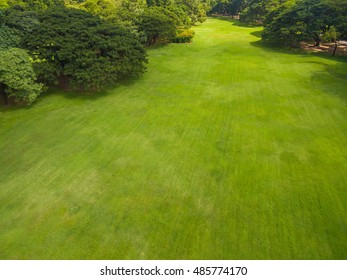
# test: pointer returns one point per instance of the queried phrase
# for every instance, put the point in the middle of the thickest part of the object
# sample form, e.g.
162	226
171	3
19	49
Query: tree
331	36
83	49
9	37
156	24
227	7
179	15
20	19
305	20
17	77
159	3
255	11
3	4
195	9
129	12
105	9
340	18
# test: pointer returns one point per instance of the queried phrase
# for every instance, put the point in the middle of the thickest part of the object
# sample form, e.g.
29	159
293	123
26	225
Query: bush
184	36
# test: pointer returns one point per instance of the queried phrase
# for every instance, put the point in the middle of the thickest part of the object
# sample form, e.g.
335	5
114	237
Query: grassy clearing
223	150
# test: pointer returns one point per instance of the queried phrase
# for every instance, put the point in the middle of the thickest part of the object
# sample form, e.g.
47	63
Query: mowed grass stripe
223	150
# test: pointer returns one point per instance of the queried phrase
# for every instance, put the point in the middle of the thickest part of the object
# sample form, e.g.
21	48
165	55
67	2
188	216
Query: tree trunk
316	37
317	43
335	48
3	93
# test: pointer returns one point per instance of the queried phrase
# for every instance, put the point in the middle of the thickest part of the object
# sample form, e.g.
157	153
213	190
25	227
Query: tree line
86	45
90	45
289	22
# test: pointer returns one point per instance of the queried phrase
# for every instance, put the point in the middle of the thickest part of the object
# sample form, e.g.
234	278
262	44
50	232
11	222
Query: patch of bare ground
341	49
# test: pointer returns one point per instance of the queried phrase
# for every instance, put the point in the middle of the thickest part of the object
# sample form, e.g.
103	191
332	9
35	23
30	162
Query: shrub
184	36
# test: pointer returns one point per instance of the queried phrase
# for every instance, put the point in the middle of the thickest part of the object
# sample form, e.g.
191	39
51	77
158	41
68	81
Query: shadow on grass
89	95
69	94
157	46
13	107
256	34
239	23
225	18
294	51
332	76
269	48
56	91
235	22
74	94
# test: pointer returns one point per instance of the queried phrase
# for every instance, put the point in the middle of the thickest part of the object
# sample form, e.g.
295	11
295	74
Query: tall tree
195	9
227	7
106	9
255	11
85	50
129	12
157	24
296	21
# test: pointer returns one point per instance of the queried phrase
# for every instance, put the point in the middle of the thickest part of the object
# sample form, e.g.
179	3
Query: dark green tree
303	20
83	49
9	37
255	11
41	5
227	7
20	19
157	25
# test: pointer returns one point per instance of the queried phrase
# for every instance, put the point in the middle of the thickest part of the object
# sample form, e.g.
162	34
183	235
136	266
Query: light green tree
17	77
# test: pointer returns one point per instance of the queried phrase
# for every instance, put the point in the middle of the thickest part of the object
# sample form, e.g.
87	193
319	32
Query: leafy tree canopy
84	49
195	9
22	20
17	77
295	21
106	9
9	37
157	24
129	11
227	7
256	10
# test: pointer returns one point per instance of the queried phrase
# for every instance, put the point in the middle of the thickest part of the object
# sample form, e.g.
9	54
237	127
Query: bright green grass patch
223	150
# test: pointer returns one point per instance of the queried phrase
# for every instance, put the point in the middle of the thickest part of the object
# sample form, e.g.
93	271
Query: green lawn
223	150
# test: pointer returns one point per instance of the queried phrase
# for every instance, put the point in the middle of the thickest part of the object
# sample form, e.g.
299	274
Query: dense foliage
86	50
157	24
17	76
306	20
227	7
88	44
254	11
93	44
288	22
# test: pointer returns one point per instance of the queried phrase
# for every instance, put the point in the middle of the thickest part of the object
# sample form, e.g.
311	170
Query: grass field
225	149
